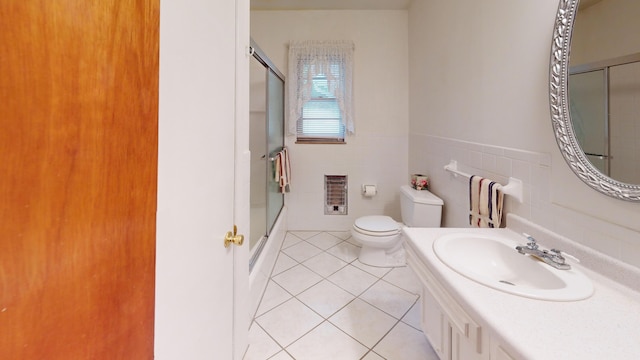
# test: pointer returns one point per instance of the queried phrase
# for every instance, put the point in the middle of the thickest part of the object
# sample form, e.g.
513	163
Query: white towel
277	168
282	170
485	202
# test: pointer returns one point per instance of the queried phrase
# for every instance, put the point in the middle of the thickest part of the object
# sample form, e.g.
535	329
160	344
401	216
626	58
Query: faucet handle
532	241
556	256
562	255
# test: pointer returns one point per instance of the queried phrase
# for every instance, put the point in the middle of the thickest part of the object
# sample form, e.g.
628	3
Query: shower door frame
270	68
604	66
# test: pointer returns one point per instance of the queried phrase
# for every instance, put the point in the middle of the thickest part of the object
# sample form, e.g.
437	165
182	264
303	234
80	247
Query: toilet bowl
381	240
381	236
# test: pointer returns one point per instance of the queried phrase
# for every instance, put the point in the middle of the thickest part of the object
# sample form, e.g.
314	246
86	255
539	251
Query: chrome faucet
551	257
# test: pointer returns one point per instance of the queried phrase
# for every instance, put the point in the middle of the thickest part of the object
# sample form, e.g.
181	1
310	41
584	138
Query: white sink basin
493	261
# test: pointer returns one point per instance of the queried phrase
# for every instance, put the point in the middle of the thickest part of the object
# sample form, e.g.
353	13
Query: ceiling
330	4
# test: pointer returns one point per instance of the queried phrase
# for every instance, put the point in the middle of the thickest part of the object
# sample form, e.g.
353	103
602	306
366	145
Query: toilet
381	236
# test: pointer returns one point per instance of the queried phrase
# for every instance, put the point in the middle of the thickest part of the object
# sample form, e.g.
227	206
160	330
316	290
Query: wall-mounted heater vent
335	194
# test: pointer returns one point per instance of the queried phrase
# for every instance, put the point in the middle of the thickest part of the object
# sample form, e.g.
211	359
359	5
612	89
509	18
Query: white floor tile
353	242
274	295
357	299
373	356
373	270
412	318
345	251
304	235
302	251
282	355
261	345
344	235
324	264
403	277
289	321
325	298
326	342
290	240
352	279
389	298
363	322
406	343
283	263
297	279
324	240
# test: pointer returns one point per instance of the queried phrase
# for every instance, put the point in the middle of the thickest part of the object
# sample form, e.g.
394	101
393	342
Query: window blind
320	90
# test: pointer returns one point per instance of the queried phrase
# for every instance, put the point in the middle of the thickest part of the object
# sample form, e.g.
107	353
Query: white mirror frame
560	118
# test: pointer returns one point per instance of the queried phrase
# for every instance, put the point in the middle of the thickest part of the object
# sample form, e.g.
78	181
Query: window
320	96
321	119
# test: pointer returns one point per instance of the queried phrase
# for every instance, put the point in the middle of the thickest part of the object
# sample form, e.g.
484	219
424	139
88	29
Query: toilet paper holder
369	190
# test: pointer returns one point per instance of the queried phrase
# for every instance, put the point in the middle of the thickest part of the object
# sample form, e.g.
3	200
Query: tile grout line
324	319
322	278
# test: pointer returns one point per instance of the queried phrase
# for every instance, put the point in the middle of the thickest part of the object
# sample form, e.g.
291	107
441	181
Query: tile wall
429	154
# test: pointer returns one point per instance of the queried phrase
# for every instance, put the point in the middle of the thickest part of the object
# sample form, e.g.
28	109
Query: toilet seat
381	241
377	225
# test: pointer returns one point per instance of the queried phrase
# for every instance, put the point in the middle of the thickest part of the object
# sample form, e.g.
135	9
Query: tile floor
322	303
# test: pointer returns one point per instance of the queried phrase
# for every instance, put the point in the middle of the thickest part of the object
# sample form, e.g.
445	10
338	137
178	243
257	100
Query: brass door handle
233	237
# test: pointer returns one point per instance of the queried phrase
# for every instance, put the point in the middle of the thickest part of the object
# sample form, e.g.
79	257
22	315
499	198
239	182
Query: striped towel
485	202
282	170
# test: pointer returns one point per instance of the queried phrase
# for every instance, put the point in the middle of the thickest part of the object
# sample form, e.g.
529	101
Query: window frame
309	139
335	58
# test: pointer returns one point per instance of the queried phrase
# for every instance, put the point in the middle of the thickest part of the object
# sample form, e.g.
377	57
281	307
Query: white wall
378	152
479	94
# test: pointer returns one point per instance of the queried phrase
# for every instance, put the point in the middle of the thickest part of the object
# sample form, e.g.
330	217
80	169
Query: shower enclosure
589	113
604	108
266	138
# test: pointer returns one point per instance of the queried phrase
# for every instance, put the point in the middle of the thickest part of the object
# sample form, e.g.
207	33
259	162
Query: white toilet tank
420	208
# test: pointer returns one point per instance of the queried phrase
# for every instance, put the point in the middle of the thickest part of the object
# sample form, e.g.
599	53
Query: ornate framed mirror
593	168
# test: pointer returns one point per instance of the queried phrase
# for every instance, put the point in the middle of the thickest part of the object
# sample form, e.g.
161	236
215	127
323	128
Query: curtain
333	59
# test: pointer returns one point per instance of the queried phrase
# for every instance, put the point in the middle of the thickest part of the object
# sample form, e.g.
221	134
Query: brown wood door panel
78	173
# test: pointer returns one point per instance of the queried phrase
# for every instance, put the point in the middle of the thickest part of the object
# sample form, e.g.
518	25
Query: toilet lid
377	224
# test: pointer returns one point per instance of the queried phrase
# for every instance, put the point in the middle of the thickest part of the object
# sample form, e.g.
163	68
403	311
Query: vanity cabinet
498	353
464	319
451	331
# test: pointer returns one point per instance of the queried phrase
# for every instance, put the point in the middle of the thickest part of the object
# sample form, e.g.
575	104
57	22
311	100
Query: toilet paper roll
369	190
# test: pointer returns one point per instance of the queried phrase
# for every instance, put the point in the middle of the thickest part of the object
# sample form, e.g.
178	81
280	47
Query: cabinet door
498	353
434	324
462	347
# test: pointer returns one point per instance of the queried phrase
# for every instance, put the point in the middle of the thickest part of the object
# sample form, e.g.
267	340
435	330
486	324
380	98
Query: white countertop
604	326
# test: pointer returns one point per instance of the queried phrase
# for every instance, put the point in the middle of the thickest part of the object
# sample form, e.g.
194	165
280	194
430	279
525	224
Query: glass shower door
258	148
275	142
589	116
266	137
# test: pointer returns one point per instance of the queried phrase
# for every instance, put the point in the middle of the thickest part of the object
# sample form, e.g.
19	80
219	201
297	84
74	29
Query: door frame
242	201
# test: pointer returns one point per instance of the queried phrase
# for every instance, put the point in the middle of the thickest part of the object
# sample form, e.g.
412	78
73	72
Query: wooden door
78	168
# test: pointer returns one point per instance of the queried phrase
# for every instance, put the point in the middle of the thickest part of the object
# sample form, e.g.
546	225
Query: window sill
323	142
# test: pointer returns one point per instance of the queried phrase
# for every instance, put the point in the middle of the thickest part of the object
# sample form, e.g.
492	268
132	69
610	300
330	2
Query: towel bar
273	158
513	188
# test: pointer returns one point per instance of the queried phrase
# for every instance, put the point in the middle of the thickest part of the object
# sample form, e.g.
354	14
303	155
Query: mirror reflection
604	86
